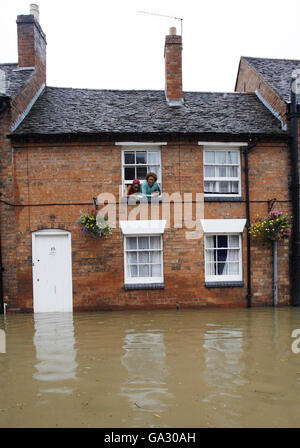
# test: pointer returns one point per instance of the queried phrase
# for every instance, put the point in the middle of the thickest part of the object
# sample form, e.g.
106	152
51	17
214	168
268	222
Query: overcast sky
109	45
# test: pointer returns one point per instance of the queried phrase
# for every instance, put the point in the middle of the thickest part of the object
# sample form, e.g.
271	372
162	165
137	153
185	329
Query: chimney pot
172	31
34	10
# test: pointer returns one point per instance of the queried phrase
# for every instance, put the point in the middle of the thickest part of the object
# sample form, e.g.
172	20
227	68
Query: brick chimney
173	69
32	42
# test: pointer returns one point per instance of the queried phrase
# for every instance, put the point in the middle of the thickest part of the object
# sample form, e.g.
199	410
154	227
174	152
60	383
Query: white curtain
210	255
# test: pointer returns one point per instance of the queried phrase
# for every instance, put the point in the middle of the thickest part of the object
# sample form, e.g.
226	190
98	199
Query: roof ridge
8	63
144	91
270	59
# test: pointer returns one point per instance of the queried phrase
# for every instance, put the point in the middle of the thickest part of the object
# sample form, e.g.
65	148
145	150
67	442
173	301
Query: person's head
136	186
151	178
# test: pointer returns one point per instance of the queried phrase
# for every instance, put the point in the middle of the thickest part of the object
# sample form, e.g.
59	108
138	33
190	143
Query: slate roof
73	111
15	79
277	73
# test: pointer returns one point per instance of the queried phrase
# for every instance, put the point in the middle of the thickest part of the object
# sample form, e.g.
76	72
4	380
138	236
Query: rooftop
73	111
277	73
14	79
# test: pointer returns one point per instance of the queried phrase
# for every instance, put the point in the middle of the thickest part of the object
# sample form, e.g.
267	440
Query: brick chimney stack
32	42
173	68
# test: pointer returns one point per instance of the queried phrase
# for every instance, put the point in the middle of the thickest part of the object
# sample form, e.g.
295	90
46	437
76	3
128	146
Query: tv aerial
164	15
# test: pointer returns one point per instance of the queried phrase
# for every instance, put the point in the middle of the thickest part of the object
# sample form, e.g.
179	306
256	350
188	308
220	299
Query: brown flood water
191	368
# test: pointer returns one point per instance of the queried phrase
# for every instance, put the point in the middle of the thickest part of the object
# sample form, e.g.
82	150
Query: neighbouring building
219	159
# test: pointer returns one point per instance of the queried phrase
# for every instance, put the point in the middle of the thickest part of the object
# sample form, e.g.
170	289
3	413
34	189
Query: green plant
93	225
274	227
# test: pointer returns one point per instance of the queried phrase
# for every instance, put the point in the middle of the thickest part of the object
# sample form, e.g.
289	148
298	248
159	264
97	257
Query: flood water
191	368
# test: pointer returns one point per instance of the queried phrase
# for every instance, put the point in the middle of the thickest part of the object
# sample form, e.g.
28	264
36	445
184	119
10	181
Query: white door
52	271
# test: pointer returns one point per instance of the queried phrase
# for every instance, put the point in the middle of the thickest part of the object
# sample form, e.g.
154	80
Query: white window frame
143	280
140	148
226	148
223	278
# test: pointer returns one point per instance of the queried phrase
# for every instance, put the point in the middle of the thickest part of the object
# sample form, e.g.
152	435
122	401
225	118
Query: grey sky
108	45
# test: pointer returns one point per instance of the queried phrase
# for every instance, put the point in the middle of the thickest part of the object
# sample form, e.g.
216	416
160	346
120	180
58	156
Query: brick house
219	158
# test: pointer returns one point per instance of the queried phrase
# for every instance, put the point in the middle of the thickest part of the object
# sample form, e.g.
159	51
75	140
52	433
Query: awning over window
223	225
143	227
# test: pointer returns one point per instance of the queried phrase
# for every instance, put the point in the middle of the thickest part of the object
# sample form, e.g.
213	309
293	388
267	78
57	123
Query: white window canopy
143	227
217	226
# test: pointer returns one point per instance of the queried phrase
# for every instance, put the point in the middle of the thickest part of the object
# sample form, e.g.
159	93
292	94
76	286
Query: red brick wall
7	213
74	173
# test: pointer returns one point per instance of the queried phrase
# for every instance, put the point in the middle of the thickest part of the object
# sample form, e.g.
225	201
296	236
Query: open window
137	162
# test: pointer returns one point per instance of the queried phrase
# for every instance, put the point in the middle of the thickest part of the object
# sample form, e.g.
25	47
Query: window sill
129	287
223	284
141	200
223	199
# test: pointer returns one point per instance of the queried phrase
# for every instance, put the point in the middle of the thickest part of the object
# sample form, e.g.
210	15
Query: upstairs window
222	172
136	163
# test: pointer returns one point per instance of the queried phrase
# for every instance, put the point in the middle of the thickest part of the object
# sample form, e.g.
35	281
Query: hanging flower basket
274	227
93	225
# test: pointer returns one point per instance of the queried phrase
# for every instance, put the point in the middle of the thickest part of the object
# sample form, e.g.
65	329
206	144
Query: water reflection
144	359
224	369
55	349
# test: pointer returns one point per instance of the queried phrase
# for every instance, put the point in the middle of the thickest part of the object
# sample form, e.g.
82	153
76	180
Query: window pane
234	187
210	187
220	171
129	173
129	158
133	271
144	270
232	157
143	242
141	172
141	157
210	242
221	269
222	254
222	241
155	242
233	268
143	257
233	255
209	157
154	169
233	241
131	243
155	257
220	157
232	171
132	257
209	171
210	269
155	270
224	187
153	158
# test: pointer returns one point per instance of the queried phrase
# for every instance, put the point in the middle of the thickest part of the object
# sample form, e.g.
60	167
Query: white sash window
222	172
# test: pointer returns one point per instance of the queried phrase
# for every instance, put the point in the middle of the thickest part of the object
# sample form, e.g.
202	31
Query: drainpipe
246	170
3	106
295	293
1	277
